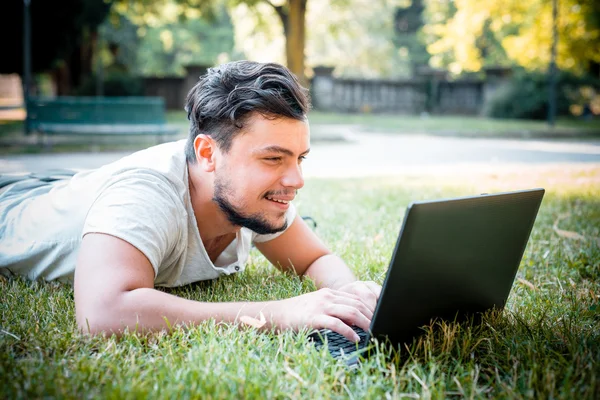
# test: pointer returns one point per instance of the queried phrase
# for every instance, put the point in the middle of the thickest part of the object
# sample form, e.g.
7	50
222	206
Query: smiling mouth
277	200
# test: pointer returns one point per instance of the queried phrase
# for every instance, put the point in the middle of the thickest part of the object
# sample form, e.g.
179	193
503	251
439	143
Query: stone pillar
322	88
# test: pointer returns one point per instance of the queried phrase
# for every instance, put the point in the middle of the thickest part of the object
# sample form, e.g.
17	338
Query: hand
367	291
326	308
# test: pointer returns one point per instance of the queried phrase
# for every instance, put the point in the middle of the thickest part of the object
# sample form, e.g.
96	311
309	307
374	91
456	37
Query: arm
298	249
114	290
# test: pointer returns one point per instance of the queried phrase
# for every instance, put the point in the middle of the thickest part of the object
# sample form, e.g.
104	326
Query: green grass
546	344
436	124
456	124
10	129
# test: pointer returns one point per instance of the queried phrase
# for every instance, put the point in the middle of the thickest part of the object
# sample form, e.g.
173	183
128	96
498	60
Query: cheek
253	181
263	179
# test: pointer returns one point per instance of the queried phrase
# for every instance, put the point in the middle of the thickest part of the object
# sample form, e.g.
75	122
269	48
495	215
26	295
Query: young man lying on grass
188	211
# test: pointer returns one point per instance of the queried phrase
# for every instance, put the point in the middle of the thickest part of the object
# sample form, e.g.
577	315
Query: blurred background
450	67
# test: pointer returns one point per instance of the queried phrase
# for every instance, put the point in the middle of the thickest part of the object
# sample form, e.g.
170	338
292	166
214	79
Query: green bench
99	116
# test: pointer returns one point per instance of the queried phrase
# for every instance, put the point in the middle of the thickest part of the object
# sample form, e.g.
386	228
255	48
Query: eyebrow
279	149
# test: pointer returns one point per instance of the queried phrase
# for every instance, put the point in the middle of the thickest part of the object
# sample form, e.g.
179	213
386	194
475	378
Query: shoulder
142	208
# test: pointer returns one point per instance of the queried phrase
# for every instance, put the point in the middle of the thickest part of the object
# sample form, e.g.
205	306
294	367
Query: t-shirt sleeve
141	209
289	216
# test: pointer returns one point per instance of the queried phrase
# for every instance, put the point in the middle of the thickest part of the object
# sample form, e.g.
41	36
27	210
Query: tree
62	35
292	14
166	46
408	22
357	37
369	49
465	35
293	18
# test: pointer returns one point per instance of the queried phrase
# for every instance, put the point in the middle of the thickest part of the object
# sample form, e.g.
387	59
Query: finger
367	296
362	293
355	302
349	315
374	287
367	291
324	321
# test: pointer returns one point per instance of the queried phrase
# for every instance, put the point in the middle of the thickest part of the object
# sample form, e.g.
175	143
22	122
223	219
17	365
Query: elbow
321	259
98	320
94	326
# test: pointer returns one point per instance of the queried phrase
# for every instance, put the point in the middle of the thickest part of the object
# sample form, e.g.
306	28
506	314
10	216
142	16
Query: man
188	211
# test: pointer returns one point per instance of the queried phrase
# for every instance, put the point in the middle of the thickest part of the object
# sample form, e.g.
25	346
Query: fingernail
356	338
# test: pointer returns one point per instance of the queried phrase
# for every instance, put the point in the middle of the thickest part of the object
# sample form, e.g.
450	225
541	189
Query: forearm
149	310
329	271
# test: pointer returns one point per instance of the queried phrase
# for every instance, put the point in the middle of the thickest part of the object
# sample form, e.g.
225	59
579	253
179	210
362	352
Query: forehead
259	132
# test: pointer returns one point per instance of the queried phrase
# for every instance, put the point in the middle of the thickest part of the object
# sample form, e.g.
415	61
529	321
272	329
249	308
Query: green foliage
167	49
114	84
526	96
545	345
119	43
465	35
161	38
408	23
369	49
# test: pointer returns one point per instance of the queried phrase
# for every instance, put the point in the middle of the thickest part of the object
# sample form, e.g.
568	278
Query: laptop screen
454	258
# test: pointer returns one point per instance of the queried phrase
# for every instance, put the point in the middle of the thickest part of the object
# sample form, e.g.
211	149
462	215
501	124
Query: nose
293	177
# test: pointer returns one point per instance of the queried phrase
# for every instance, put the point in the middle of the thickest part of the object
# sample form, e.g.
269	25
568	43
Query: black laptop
453	259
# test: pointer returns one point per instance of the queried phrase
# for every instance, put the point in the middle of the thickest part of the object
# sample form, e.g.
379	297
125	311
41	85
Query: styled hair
229	94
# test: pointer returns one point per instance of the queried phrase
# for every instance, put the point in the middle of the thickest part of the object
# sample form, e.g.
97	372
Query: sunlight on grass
434	123
546	344
459	124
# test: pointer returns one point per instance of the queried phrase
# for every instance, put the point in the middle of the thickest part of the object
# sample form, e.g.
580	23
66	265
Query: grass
454	124
546	344
438	124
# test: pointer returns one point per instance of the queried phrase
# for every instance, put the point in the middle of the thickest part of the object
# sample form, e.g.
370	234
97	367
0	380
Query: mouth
281	201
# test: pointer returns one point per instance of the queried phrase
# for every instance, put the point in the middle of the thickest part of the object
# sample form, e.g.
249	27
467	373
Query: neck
211	221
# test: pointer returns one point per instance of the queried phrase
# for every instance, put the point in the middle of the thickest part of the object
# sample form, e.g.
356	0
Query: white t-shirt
143	199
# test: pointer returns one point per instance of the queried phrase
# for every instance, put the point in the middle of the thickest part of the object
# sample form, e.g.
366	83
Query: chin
279	225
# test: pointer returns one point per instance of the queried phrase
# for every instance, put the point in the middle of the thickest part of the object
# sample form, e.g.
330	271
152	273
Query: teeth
279	201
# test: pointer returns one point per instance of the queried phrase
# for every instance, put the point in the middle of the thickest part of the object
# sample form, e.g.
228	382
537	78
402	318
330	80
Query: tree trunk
295	38
80	61
594	69
61	77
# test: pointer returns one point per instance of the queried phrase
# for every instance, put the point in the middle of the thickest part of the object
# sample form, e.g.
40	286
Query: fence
427	93
352	95
413	96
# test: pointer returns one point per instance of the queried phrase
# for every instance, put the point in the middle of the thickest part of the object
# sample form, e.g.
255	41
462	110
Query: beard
256	222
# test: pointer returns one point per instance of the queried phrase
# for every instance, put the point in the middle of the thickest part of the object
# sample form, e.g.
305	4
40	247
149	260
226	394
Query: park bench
99	116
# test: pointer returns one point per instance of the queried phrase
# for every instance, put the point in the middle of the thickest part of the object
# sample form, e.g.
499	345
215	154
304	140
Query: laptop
453	259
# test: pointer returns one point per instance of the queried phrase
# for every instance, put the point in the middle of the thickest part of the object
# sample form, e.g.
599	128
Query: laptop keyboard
338	344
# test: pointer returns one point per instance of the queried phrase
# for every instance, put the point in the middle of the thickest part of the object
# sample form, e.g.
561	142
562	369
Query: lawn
546	344
441	124
459	125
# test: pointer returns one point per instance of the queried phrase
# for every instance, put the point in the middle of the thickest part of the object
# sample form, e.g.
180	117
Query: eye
272	159
301	158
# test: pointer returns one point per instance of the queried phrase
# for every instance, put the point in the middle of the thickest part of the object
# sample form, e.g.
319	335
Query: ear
205	149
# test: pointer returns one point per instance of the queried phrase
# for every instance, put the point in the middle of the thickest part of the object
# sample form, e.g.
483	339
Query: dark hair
227	95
